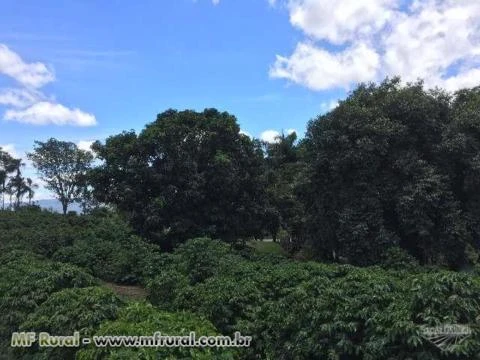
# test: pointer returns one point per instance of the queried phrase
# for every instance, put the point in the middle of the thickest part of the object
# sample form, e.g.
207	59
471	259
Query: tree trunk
64	207
3	195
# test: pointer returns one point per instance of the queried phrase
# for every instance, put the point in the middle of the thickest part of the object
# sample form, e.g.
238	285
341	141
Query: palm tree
12	182
7	166
16	186
3	183
30	187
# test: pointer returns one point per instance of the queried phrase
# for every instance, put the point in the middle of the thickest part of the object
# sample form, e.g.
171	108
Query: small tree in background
6	167
63	167
12	182
30	189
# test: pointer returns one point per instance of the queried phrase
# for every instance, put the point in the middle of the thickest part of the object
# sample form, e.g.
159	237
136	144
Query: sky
83	70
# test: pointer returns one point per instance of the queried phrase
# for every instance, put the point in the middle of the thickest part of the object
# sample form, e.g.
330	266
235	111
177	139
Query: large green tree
395	165
63	167
186	174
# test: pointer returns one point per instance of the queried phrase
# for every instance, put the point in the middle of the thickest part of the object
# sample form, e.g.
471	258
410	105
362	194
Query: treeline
391	168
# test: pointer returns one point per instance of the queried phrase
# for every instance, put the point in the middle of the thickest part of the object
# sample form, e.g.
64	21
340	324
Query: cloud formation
28	104
85	145
270	136
19	98
350	41
45	112
342	20
328	105
319	69
246	133
10	148
273	136
33	75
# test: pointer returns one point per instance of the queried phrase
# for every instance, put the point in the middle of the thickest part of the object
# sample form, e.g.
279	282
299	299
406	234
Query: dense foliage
39	294
316	311
186	174
292	310
67	311
101	243
395	165
392	165
143	319
27	281
284	172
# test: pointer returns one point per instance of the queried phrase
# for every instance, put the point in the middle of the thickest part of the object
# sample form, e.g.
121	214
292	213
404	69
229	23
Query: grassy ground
267	247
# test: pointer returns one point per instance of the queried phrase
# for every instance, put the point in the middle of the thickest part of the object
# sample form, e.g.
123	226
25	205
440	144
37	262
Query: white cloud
291	131
246	133
44	112
468	79
30	105
10	148
338	21
33	75
19	97
351	41
319	69
433	37
85	145
215	2
329	105
269	136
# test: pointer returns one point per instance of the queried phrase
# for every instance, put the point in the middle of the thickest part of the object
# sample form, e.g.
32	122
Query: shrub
27	281
297	310
67	311
399	259
101	242
201	258
142	319
164	288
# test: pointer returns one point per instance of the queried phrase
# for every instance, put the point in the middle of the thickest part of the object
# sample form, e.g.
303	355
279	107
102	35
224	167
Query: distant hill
56	206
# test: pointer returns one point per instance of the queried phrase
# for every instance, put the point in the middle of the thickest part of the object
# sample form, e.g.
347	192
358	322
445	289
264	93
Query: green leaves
71	310
103	244
393	165
29	280
312	310
63	167
186	174
142	319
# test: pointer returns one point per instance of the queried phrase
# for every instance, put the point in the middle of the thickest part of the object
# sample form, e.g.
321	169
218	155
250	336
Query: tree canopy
63	167
186	174
395	165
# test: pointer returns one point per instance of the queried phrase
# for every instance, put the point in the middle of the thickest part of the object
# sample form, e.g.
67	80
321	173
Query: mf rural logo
446	337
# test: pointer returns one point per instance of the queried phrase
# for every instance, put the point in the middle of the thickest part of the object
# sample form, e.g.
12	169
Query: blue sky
83	70
124	62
